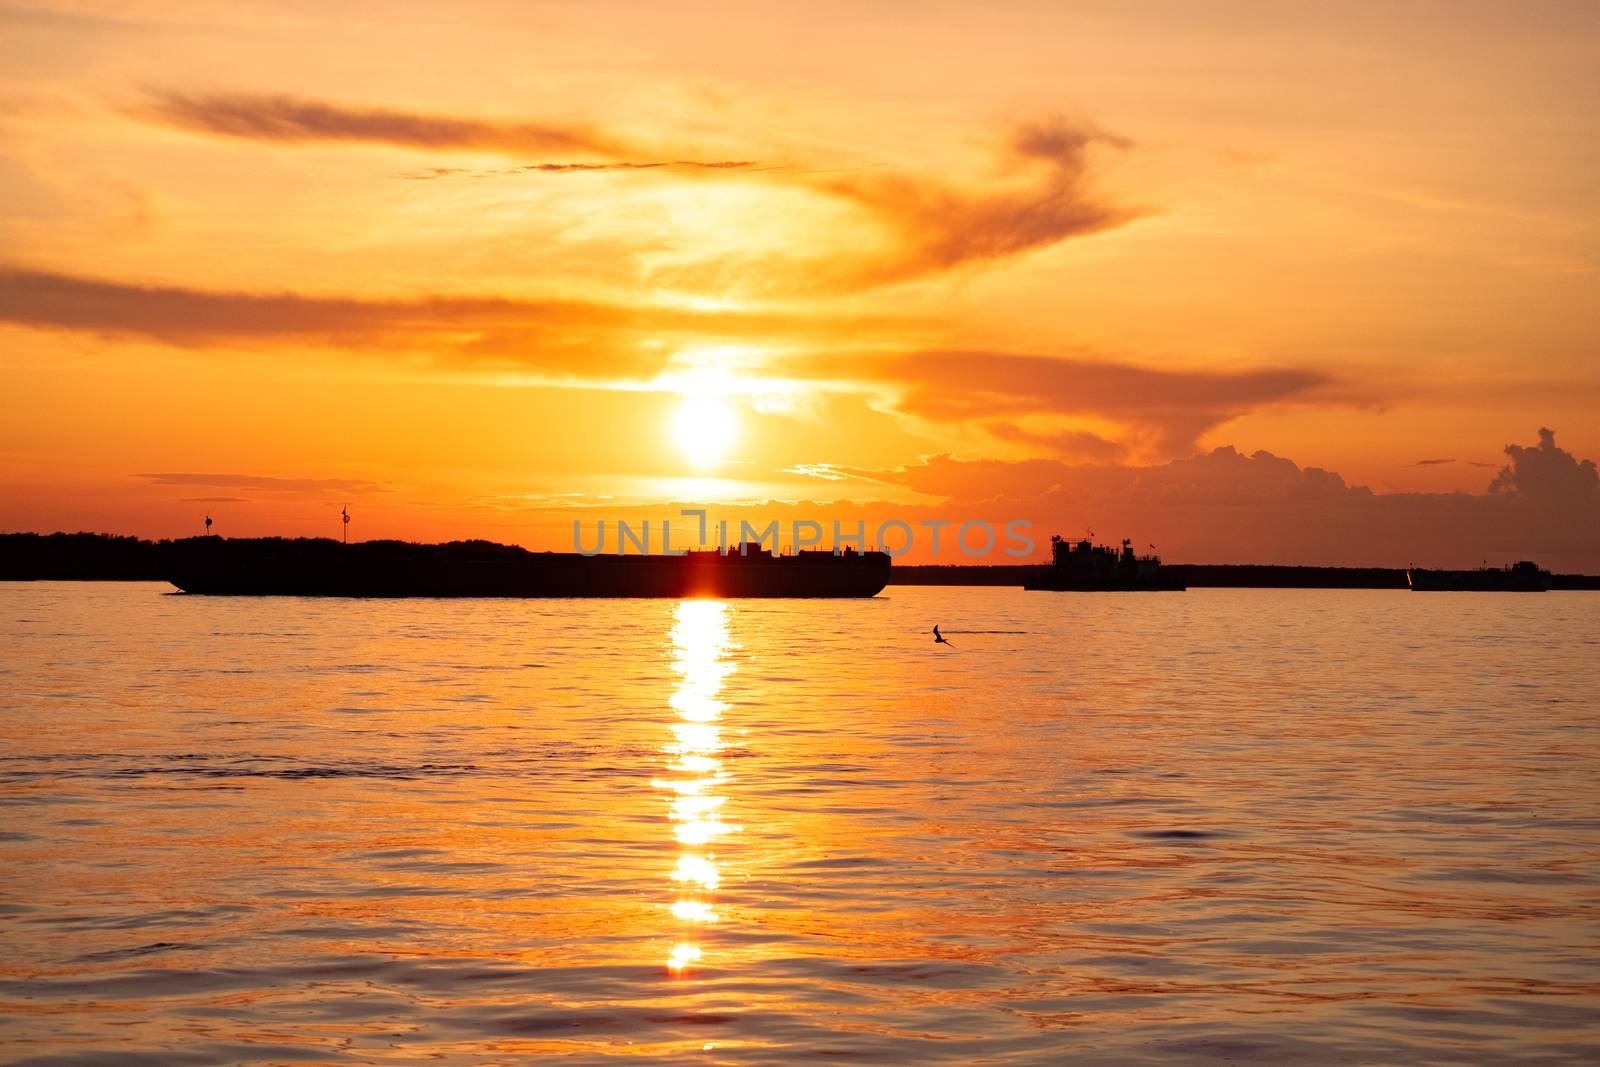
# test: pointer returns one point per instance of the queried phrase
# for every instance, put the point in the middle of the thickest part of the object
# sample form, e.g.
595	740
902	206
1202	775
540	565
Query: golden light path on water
700	659
1257	826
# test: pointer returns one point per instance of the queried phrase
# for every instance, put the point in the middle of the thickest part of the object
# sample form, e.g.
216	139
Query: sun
704	428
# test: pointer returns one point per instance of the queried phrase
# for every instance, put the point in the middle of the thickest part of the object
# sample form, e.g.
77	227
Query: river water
1222	826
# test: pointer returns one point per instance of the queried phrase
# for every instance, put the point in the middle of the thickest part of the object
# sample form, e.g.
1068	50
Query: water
1222	826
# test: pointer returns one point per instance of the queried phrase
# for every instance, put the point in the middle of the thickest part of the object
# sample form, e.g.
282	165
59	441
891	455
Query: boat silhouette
1085	567
273	566
1523	576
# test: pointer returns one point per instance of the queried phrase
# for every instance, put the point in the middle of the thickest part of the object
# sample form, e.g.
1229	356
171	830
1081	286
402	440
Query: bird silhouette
939	638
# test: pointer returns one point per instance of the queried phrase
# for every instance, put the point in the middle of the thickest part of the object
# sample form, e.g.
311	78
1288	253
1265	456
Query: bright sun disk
704	428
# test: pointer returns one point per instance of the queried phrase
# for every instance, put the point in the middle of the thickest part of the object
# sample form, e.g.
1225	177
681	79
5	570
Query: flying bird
938	638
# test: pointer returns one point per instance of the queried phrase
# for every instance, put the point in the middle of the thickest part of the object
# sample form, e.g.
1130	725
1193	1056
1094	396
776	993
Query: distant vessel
1521	577
275	566
1085	567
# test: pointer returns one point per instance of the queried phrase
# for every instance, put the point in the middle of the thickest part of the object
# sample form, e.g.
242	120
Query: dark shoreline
106	557
1203	576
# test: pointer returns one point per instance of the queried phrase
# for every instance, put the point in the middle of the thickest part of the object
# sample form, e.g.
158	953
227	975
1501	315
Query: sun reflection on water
700	646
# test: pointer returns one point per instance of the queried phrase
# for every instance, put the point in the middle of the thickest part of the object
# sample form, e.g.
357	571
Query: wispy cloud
286	119
187	316
581	340
278	118
1043	197
1065	444
914	225
258	481
1165	410
833	472
1040	194
436	173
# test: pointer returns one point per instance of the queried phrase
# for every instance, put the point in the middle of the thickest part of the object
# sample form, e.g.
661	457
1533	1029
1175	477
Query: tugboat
1523	576
1083	566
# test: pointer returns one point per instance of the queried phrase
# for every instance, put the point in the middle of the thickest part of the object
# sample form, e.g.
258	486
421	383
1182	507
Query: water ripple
1231	827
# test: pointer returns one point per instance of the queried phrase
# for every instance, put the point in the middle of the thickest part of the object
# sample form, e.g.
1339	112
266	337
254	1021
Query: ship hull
1479	581
326	568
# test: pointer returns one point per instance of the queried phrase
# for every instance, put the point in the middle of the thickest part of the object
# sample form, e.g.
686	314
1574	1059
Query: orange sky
477	270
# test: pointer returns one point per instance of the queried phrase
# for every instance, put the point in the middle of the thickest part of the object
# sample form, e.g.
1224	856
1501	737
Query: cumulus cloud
1547	475
1223	476
1228	507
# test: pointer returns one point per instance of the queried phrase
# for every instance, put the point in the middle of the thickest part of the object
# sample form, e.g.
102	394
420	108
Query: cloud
258	481
1548	476
1166	410
1432	462
1065	444
1044	197
1225	506
834	472
971	482
283	119
436	173
279	118
1162	412
903	225
828	472
542	334
1041	195
561	338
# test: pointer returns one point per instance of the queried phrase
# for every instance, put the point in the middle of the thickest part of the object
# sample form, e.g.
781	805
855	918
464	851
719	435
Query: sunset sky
1253	282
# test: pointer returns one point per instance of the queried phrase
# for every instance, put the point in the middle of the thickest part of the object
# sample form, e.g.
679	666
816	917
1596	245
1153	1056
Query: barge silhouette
1085	567
273	566
1521	577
